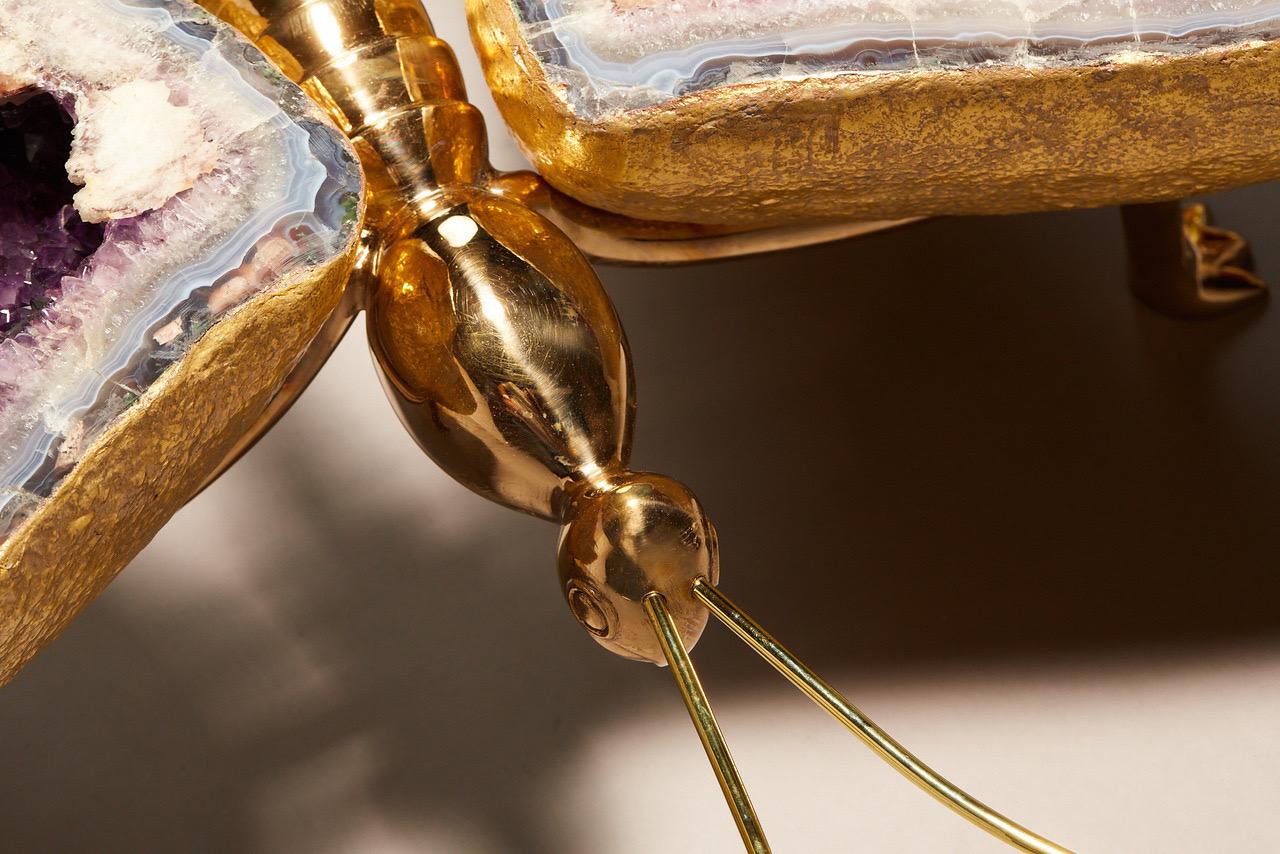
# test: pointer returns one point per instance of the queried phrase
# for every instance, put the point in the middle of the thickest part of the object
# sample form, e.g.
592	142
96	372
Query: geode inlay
155	174
612	55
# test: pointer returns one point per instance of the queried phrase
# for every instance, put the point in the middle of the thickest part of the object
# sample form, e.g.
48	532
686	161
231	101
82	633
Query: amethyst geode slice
156	173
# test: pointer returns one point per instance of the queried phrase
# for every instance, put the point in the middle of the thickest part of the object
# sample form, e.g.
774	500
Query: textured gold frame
153	458
1142	128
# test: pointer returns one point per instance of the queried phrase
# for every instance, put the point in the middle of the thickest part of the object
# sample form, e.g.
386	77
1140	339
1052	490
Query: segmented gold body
388	82
496	342
506	361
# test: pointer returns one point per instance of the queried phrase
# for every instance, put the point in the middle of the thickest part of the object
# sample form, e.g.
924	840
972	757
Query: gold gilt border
154	457
1141	128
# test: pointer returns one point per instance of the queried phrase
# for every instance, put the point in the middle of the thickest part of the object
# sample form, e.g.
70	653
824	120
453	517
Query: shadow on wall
956	441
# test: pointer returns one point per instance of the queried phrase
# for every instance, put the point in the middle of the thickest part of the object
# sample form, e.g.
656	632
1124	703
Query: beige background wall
1028	525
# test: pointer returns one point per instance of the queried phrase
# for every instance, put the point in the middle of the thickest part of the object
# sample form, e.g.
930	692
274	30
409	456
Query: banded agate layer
156	173
613	55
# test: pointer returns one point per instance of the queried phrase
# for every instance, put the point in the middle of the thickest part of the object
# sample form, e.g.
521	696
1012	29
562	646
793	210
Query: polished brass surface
987	139
821	692
1181	265
602	241
505	358
648	534
704	720
503	355
618	239
494	338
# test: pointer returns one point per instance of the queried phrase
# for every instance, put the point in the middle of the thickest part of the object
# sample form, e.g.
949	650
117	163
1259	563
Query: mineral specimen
155	174
177	220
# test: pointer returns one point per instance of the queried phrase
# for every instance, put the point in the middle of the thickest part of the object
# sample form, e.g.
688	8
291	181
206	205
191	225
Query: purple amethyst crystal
42	238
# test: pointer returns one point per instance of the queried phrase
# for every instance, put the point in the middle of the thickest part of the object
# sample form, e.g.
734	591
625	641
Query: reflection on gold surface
498	346
503	354
506	361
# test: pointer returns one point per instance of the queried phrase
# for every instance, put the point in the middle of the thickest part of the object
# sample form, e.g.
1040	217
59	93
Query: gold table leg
1182	265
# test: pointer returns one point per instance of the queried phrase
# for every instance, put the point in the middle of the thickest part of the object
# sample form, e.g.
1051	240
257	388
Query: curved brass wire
821	692
704	720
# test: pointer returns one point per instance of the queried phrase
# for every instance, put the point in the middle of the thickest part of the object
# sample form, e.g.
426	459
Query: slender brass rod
704	720
821	692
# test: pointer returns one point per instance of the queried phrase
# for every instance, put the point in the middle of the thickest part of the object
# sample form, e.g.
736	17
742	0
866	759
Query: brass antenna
821	692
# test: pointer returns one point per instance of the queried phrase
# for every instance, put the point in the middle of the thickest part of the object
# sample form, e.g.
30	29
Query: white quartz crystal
134	149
